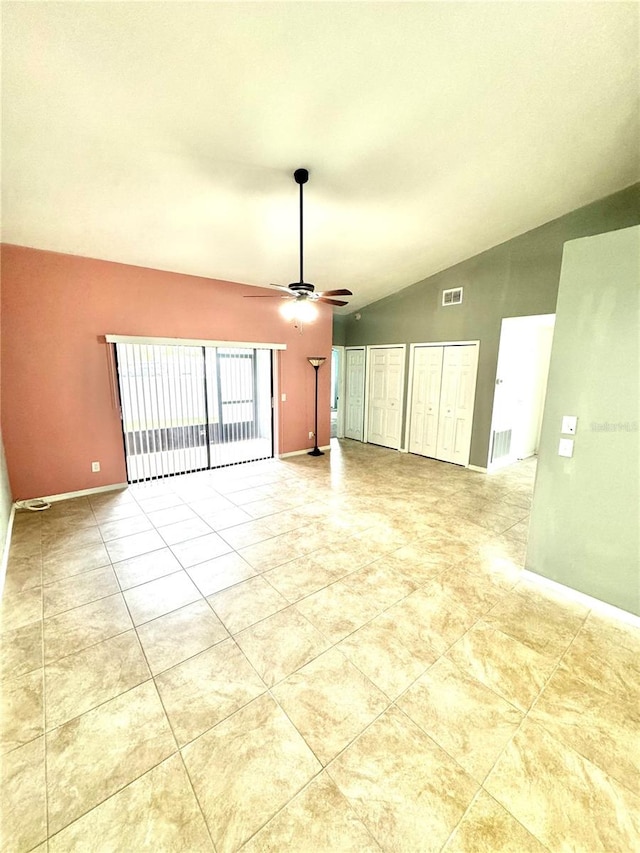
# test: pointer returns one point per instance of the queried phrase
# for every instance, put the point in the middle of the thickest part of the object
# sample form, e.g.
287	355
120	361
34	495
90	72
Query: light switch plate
569	424
565	447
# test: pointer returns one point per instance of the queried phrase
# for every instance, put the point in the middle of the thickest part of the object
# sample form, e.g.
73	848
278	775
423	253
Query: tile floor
332	654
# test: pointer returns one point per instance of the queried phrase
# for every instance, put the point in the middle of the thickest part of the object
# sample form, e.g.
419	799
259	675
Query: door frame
412	349
344	385
340	390
367	361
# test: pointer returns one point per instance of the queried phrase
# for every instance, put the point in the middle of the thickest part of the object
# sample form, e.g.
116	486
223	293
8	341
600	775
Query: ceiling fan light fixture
299	310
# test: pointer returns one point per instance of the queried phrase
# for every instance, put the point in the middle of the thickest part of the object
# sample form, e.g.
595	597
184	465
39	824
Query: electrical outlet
310	434
95	467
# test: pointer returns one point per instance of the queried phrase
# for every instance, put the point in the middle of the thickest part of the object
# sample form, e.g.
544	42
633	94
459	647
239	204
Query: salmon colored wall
58	406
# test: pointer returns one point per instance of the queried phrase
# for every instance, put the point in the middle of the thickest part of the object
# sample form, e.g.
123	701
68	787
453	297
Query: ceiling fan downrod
301	176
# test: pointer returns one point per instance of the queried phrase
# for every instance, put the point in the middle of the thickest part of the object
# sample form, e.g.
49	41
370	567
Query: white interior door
386	379
354	393
457	394
425	400
521	379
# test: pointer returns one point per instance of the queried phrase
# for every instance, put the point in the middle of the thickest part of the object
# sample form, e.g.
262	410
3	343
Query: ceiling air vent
452	297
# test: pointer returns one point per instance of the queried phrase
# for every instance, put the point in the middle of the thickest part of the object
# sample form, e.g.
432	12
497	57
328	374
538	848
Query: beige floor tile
146	567
488	828
601	628
338	610
407	791
438	617
59	542
562	798
507	666
179	635
200	692
171	515
330	702
23	804
75	562
83	626
477	593
224	518
246	603
79	589
605	665
270	553
536	620
248	533
261	762
304	575
21	710
93	756
380	584
155	598
81	681
317	819
132	546
20	608
122	527
281	644
391	653
220	573
198	550
23	573
601	727
117	512
21	650
472	723
182	531
152	503
156	812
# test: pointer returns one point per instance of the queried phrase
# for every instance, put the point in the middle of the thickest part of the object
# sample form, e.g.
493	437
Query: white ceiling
165	134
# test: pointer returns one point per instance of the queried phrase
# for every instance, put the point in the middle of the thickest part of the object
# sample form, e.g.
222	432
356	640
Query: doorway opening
193	408
521	386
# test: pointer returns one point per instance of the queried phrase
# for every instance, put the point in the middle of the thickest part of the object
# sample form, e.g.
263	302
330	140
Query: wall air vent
452	297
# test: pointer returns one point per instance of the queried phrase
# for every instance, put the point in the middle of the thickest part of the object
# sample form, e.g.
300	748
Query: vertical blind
189	408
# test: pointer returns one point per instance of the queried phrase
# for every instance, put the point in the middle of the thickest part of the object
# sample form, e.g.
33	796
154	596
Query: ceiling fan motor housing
301	287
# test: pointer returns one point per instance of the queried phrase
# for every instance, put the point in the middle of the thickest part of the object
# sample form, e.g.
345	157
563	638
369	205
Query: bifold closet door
457	394
425	400
354	394
386	367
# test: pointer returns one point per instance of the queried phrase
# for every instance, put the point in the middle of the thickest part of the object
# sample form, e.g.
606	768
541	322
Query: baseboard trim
478	469
582	598
65	496
7	546
324	447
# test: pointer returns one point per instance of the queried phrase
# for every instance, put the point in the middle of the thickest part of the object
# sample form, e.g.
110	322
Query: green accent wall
517	278
585	523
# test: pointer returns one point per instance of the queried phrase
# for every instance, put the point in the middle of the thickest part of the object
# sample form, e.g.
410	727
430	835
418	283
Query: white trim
65	496
302	452
412	356
7	546
445	344
367	361
364	390
188	342
340	390
582	598
478	468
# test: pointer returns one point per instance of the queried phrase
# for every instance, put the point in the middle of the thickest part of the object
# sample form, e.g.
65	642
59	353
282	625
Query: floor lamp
316	361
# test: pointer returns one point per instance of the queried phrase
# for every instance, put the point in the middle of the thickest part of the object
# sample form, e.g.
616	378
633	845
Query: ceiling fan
301	294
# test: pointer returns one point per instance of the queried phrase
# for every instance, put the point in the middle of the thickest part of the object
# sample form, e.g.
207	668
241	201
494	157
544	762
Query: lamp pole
316	362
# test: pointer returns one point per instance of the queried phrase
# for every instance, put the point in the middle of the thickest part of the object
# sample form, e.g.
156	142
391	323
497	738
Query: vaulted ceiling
165	134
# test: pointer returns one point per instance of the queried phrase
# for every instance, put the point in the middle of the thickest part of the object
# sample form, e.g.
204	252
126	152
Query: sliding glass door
189	408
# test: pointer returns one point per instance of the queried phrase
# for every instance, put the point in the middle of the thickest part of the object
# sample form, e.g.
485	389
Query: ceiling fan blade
342	292
331	301
264	296
278	287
